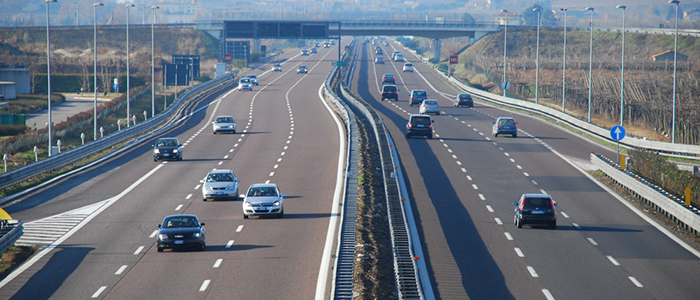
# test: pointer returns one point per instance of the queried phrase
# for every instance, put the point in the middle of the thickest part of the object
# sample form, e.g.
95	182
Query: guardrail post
623	162
687	196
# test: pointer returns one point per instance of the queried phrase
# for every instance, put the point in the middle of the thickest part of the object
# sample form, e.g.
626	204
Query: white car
253	78
277	68
408	67
245	84
398	57
263	199
429	106
220	184
224	124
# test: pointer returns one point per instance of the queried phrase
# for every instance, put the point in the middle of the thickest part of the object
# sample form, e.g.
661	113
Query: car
393	54
389	92
277	68
302	69
398	57
313	51
386	43
245	84
220	184
505	125
224	124
419	125
326	45
253	78
429	106
167	148
378	51
535	209
379	60
388	78
417	96
333	42
316	45
408	67
263	199
463	100
181	231
305	52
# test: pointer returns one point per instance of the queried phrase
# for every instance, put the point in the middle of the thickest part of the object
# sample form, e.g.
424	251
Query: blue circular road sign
617	133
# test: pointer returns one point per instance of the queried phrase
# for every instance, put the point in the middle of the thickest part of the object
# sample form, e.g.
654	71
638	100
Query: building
668	56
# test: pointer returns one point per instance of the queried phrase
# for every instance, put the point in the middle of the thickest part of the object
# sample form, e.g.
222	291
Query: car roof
385	74
420	115
536	196
167	138
216	171
224	117
181	215
257	185
251	75
417	91
505	118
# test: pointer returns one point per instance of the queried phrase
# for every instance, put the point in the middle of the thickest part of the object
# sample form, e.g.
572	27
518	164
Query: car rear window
531	203
506	121
419	93
408	65
431	102
465	96
421	120
389	88
224	120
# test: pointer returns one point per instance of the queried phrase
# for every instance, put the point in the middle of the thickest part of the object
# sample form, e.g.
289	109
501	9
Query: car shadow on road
234	247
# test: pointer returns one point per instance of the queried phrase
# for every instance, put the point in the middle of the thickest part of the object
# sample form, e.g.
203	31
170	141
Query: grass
14	256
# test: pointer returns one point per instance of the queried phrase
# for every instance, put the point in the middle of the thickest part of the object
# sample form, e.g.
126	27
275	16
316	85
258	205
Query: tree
467	18
530	16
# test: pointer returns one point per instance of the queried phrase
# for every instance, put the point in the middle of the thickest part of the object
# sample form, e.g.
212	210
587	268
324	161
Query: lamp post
537	58
153	80
590	67
94	50
563	80
675	60
622	72
505	48
48	73
128	86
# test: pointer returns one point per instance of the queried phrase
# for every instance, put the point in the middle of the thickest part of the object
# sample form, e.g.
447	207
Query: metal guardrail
655	196
66	158
407	280
11	231
669	149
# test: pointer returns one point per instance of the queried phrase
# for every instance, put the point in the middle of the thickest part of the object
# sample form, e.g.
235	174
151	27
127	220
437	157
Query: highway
464	181
107	214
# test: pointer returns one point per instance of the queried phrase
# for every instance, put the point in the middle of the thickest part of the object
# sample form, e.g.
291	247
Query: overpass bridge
256	30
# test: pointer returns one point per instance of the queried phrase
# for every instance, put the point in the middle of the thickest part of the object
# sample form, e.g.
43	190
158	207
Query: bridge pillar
256	45
436	49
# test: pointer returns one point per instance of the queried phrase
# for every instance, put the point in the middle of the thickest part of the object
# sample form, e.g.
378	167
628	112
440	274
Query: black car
420	125
302	69
464	100
181	231
390	92
388	78
167	148
505	125
417	96
535	209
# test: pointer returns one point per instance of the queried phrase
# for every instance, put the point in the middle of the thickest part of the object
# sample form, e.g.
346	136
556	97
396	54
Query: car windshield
420	120
537	202
224	120
390	88
252	76
419	94
263	192
465	96
430	102
166	143
219	177
245	80
408	65
180	221
506	122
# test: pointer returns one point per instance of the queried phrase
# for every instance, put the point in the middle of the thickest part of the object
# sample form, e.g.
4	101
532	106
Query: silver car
220	184
245	84
263	199
253	78
429	106
224	124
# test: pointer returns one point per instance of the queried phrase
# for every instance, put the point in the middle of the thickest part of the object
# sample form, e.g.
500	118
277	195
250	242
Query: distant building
668	55
511	18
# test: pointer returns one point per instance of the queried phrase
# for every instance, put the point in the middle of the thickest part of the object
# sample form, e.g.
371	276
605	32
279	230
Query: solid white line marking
475	187
229	244
547	294
153	234
564	214
99	291
635	281
178	207
508	236
121	270
592	242
188	197
204	286
218	263
482	197
489	208
240	227
532	271
138	250
519	252
613	261
498	221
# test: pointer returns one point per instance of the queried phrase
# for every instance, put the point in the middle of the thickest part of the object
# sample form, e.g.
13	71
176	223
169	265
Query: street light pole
622	75
94	50
128	86
537	58
590	67
563	80
675	61
505	48
48	72
153	80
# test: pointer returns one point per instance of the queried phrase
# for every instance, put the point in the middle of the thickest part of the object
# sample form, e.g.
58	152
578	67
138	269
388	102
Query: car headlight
156	151
276	203
196	234
162	236
207	188
230	187
247	204
174	150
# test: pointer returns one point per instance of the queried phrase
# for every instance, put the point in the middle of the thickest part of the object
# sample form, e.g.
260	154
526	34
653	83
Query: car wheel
519	223
411	105
553	225
179	158
515	135
430	136
280	215
234	131
214	132
201	248
495	135
159	249
245	216
155	159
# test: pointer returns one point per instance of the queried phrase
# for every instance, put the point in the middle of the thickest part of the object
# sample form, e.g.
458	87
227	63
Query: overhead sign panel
278	29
